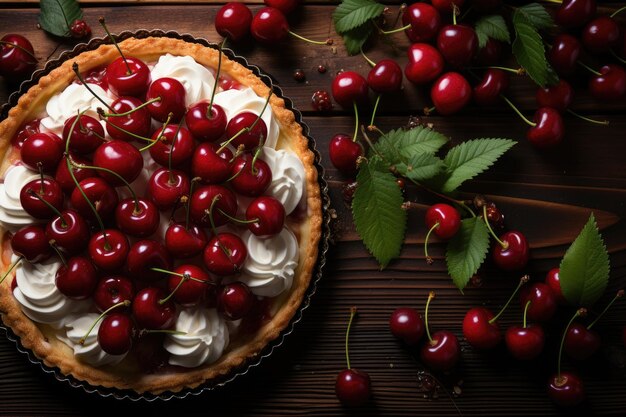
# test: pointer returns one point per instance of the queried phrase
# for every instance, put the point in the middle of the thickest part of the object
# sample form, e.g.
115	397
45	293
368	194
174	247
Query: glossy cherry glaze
62	174
115	334
235	301
111	290
150	313
86	135
137	218
202	200
138	122
211	167
225	254
101	195
70	231
195	283
77	279
17	57
447	219
251	131
42	149
166	187
31	243
250	177
120	157
185	242
38	195
269	216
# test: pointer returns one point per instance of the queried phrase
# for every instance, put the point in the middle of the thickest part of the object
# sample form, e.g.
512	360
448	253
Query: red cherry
479	329
42	149
601	35
250	177
580	342
150	313
269	25
442	352
490	54
515	255
566	389
549	129
30	243
101	195
425	63
77	279
201	202
249	139
285	6
98	76
494	83
86	135
205	126
45	189
385	77
610	84
108	250
209	166
123	83
235	301
233	21
450	93
320	101
269	214
145	255
525	343
70	232
115	334
191	291
344	153
542	302
63	176
350	87
183	242
353	387
553	281
558	96
138	122
17	57
24	132
79	29
181	151
172	99
564	54
575	13
458	44
447	218
137	218
407	325
166	187
111	290
120	157
447	6
425	22
225	254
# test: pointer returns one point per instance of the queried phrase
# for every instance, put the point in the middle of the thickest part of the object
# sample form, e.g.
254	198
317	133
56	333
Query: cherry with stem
352	387
124	303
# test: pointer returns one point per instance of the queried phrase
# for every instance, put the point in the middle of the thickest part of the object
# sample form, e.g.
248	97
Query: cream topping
271	263
206	337
12	214
38	295
288	177
237	101
90	351
197	79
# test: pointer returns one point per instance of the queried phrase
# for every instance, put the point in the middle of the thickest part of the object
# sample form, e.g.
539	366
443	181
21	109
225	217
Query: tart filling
201	343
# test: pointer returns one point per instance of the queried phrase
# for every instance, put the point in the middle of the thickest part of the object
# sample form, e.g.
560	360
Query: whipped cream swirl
237	101
38	295
67	103
90	351
12	214
197	79
206	337
271	263
288	177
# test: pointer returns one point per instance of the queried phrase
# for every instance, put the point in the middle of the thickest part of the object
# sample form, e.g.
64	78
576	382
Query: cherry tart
156	234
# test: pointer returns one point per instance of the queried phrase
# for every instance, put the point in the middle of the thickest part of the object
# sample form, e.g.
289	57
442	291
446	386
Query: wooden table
547	195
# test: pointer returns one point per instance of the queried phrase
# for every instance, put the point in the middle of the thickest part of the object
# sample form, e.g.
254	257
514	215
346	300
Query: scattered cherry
564	54
79	29
442	351
407	325
425	63
581	342
566	389
553	281
543	302
385	77
458	44
601	35
575	13
350	88
548	130
515	255
344	154
494	82
450	93
285	6
233	21
320	100
352	387
17	57
558	96
425	22
525	343
610	84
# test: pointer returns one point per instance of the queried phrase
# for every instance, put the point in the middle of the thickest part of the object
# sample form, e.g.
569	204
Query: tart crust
40	338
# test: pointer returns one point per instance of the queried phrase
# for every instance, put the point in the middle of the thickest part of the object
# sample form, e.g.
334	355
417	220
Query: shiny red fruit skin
553	281
385	77
115	334
442	353
269	25
203	127
543	303
202	199
425	63
249	180
190	292
111	290
112	257
220	263
77	279
610	85
566	390
450	93
145	255
235	301
478	331
47	189
233	21
516	256
285	6
15	63
251	139
270	216
350	87
490	54
601	35
120	157
172	100
86	135
31	243
448	218
182	150
123	84
425	22
137	223
488	91
575	13
45	149
63	177
558	96
458	44
581	343
70	232
344	153
353	387
447	6
549	129
212	168
138	122
525	343
407	325
166	193
149	313
564	54
100	193
183	242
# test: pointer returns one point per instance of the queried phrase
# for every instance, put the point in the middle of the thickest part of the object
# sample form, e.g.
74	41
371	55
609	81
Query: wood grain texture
546	195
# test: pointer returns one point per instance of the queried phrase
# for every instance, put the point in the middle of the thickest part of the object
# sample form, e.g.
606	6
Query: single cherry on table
352	387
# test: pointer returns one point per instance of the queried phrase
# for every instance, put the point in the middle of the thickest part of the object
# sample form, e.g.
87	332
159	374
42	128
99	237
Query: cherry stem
20	48
124	303
217	77
516	71
161	133
170	295
375	109
356	121
552	1
13	265
369	61
619	295
128	70
326	42
214	229
369	141
588	119
188	202
389	32
86	85
143	332
522	281
50	206
169	156
129	133
516	110
504	245
619	58
54	246
246	129
429	110
429	260
588	68
186	276
236	220
131	111
618	11
525	311
352	314
431	295
579	312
